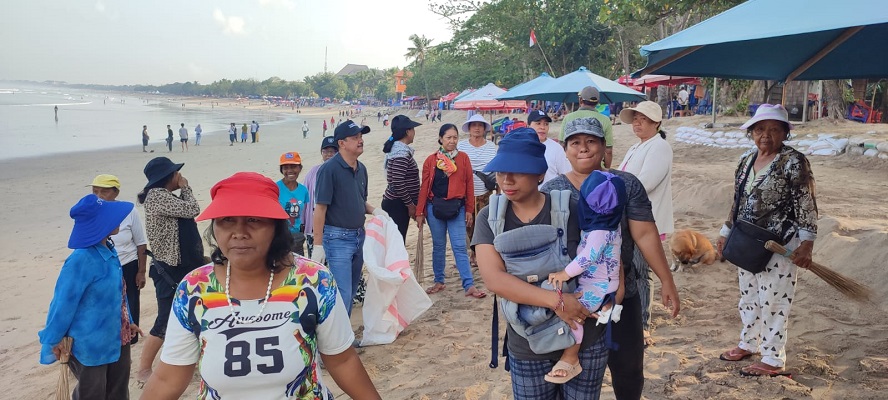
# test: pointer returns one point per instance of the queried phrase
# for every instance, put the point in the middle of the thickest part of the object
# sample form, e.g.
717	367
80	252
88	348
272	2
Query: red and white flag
533	39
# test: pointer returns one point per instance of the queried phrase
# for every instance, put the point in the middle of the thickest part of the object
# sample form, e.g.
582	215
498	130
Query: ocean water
92	120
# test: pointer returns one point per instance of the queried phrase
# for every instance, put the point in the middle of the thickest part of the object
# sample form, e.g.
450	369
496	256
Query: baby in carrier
600	210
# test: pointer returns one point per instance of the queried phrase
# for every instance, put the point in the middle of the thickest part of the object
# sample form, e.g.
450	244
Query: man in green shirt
588	101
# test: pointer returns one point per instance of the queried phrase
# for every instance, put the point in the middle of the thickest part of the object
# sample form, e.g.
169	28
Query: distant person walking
183	137
145	138
197	131
232	134
56	113
378	116
329	148
304	129
254	132
325	128
169	138
244	133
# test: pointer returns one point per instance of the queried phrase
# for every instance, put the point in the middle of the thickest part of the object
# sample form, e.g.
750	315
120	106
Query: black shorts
183	140
144	142
164	305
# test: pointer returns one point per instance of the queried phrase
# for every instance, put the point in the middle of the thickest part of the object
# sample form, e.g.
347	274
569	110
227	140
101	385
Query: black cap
537	115
159	168
349	128
329	141
401	124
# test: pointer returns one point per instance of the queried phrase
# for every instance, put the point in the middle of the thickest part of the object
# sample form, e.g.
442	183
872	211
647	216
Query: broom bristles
63	389
849	287
420	259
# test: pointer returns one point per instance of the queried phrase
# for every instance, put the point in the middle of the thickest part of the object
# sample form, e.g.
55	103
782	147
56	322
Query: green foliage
326	84
742	106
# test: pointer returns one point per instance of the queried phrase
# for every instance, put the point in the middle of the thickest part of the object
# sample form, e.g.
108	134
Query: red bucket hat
244	194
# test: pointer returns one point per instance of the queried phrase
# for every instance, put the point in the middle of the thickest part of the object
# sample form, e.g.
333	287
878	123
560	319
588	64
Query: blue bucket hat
95	219
520	152
602	200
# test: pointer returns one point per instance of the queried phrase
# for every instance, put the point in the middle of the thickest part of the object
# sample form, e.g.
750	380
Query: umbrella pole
714	97
805	102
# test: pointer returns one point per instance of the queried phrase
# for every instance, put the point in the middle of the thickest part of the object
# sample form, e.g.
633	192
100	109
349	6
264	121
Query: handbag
489	180
745	244
446	210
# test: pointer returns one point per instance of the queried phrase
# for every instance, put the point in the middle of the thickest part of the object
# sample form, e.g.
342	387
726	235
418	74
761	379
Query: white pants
765	302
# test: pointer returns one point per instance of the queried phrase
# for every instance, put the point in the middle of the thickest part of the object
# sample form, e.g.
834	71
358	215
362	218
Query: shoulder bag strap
742	188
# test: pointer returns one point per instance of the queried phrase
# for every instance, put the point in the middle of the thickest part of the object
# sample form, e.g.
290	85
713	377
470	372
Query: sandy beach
837	349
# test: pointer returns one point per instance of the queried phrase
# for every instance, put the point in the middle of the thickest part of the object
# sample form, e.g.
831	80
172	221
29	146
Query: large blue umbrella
521	92
782	40
565	89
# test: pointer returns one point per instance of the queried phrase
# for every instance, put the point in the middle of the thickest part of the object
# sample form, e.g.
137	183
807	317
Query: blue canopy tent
521	91
782	40
565	89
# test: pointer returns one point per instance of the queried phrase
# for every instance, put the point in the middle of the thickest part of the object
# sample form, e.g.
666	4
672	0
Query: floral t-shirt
273	358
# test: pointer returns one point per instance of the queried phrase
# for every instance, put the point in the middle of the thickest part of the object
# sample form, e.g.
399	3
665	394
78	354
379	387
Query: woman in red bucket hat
257	310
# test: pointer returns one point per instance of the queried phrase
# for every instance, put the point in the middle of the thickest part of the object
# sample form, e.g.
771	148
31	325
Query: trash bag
394	299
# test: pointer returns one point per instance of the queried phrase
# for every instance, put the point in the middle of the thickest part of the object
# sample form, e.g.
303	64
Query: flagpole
533	41
551	71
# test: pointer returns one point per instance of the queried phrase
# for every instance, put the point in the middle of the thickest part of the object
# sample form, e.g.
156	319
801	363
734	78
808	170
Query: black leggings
130	270
398	211
627	364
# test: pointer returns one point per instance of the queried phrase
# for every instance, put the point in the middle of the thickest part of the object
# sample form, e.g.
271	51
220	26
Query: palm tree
419	52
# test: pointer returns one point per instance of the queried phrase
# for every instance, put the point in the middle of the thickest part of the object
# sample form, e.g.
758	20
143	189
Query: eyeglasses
759	131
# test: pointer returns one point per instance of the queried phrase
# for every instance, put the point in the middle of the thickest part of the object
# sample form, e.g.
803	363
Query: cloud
231	25
288	4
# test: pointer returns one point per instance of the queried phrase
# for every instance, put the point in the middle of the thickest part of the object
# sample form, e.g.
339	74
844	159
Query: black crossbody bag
745	245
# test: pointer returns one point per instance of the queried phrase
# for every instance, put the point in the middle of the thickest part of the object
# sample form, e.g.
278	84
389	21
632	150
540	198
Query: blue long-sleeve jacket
86	306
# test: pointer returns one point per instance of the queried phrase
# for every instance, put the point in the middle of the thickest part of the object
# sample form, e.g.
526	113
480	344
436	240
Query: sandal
648	340
762	369
735	354
474	292
437	287
572	371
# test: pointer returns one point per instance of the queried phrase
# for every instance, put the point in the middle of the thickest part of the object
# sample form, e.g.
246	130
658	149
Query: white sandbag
882	146
806	142
871	152
718	134
857	140
855	150
883	156
393	299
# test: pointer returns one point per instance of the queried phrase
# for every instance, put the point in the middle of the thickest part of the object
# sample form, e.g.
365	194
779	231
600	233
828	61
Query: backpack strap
560	213
496	216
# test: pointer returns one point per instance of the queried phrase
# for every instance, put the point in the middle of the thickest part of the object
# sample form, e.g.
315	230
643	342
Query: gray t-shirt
344	190
518	346
638	208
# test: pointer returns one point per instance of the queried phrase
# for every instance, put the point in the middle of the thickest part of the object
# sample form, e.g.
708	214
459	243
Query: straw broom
845	285
63	390
420	259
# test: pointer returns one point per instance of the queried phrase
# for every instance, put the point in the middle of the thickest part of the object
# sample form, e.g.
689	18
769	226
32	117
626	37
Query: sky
163	41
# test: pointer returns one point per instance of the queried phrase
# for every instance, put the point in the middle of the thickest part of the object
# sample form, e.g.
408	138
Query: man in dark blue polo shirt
341	192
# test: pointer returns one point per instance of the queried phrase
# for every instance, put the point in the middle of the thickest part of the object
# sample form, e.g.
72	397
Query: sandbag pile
821	144
869	146
720	139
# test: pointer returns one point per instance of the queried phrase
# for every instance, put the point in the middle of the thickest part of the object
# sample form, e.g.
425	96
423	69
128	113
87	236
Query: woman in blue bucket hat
520	166
89	305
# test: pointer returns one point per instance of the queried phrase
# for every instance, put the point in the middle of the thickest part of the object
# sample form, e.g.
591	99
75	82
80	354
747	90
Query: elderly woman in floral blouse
775	186
175	242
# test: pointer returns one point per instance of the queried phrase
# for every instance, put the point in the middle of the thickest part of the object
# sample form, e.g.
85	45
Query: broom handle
777	248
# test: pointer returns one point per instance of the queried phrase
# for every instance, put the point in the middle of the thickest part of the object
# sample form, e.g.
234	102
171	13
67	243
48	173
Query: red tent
666	80
485	99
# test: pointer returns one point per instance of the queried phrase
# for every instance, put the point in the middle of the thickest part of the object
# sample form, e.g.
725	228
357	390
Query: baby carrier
531	253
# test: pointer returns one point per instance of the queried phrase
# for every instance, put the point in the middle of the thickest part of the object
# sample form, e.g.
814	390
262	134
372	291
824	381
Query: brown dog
690	247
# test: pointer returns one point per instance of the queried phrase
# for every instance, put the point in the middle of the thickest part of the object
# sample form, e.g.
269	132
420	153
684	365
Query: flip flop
572	371
473	292
437	287
757	370
735	354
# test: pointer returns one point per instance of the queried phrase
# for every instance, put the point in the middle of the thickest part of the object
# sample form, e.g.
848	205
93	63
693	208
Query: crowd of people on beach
566	242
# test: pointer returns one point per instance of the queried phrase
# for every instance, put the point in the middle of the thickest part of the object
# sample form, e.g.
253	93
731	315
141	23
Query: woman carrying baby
597	263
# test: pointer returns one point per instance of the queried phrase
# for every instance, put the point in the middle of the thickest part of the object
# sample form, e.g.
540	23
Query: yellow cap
106	181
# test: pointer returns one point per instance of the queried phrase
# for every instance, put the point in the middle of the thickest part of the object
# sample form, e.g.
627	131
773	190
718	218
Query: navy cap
537	115
349	128
329	141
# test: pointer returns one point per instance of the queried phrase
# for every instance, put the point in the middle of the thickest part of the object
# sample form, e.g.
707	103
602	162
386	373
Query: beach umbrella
462	94
783	40
521	91
485	98
666	80
565	88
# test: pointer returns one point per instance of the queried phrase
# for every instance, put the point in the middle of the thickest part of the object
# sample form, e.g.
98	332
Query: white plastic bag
393	298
